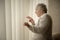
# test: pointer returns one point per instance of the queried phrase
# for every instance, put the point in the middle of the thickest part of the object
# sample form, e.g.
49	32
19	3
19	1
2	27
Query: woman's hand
31	20
26	24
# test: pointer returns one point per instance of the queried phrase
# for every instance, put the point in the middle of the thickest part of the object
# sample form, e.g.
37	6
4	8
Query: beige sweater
43	29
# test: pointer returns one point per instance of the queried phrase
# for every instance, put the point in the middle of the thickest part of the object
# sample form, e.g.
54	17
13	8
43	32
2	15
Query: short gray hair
43	6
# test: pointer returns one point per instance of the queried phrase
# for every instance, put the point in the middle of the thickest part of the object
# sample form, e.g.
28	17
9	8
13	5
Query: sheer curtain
15	13
16	10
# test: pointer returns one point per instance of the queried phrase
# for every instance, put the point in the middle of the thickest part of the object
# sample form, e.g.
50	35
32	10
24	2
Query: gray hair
43	6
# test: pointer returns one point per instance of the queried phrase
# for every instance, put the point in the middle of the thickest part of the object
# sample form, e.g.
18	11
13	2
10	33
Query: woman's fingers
29	17
29	20
26	24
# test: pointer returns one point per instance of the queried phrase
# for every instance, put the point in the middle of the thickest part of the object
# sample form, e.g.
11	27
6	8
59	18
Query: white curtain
16	11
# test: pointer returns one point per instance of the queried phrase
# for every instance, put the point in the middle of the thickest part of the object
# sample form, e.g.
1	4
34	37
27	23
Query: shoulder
46	17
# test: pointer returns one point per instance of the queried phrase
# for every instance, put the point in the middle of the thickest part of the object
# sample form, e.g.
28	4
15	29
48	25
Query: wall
2	20
54	11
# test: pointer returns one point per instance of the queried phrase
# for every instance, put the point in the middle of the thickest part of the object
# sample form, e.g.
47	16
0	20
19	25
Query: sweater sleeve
41	27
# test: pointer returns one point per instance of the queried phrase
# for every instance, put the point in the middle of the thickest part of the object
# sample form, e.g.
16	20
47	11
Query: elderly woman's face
38	11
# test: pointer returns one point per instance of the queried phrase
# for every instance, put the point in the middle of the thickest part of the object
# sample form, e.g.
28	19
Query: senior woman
43	29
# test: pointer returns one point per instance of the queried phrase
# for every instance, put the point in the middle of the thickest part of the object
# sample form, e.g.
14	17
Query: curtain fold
16	11
8	19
